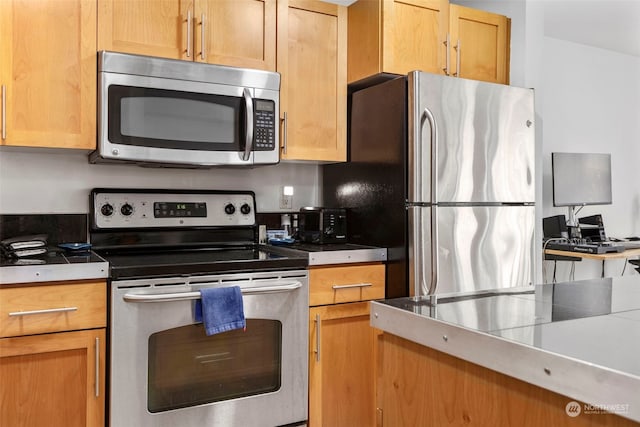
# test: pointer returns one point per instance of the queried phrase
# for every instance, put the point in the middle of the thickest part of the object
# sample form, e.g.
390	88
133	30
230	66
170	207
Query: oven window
188	368
174	119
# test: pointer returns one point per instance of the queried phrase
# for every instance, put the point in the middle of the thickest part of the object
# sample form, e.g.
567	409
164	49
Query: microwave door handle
248	143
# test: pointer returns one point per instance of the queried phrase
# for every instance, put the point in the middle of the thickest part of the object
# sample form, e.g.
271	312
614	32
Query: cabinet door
413	35
311	58
341	366
480	43
147	27
240	33
48	73
53	380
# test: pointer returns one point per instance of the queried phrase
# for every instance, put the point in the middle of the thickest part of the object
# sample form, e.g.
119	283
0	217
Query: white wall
59	181
592	104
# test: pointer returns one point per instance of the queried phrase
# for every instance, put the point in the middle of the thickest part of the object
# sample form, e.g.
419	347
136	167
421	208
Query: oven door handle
184	296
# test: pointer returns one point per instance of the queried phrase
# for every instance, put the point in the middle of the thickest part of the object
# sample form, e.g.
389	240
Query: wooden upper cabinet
312	61
239	33
48	73
481	44
145	27
397	37
428	35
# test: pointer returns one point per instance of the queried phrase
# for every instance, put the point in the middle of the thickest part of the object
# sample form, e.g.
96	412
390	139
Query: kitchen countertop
53	266
580	339
338	253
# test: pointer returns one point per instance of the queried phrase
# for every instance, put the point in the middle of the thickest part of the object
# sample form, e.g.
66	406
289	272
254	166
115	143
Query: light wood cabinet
343	345
397	37
346	284
55	378
48	73
420	386
393	36
239	33
481	43
341	366
311	58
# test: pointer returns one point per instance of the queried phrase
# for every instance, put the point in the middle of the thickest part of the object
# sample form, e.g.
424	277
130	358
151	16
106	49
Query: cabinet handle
284	133
189	34
4	112
48	310
97	367
202	41
355	285
446	56
317	350
458	65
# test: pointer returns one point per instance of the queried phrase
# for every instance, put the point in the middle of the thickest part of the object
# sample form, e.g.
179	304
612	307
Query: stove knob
126	209
229	209
106	209
245	209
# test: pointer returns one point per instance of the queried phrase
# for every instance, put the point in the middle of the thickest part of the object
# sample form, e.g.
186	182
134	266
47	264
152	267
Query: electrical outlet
286	202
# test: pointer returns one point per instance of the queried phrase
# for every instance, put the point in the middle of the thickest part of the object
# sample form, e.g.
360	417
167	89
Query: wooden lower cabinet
420	386
342	360
53	379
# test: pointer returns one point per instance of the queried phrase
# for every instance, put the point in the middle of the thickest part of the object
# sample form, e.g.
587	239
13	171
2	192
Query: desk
629	253
578	256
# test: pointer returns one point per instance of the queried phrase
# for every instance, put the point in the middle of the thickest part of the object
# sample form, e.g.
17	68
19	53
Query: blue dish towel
220	309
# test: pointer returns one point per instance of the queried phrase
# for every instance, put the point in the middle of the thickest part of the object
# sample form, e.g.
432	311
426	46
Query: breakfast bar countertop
580	339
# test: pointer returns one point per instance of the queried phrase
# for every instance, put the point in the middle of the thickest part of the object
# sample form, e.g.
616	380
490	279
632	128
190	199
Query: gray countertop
341	253
54	266
580	339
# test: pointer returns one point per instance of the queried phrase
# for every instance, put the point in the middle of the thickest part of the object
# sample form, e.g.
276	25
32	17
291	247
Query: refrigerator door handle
427	115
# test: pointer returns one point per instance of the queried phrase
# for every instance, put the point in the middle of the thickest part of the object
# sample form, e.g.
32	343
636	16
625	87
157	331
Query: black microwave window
170	119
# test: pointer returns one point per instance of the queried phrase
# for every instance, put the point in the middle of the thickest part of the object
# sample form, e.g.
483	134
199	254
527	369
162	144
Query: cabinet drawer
333	285
35	309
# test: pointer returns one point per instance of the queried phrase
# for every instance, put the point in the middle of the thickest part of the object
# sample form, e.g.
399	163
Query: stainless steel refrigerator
440	171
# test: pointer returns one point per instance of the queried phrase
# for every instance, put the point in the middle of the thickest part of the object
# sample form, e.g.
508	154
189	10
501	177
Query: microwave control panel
264	125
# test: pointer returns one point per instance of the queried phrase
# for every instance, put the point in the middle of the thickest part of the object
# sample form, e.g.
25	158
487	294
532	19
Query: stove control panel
113	208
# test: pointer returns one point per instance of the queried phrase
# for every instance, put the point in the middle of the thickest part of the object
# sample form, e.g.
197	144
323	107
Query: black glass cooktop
165	263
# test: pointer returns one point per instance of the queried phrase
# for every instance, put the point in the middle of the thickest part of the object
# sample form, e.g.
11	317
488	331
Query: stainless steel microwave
155	112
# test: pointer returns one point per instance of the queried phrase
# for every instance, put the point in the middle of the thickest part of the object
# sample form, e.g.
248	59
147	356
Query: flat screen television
581	179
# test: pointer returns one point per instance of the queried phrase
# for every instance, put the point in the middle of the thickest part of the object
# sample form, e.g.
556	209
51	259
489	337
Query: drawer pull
48	310
355	285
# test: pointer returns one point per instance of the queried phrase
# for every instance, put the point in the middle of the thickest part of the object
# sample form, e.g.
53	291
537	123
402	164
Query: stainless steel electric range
163	246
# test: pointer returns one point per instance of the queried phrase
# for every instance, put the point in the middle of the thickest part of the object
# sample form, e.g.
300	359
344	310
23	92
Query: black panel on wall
59	228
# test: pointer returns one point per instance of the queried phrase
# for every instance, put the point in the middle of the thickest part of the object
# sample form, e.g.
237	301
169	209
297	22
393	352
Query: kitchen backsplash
39	181
59	228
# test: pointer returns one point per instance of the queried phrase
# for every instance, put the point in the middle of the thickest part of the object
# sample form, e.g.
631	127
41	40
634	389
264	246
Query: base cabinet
341	366
52	354
342	344
53	380
420	386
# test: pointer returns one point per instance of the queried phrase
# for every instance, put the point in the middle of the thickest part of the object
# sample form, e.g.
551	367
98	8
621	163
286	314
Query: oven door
165	371
169	121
